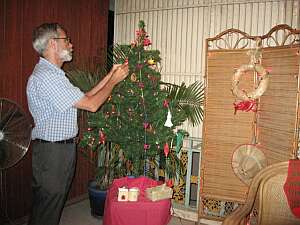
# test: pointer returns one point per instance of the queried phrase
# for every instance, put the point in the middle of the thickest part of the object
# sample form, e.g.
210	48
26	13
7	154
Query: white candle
133	194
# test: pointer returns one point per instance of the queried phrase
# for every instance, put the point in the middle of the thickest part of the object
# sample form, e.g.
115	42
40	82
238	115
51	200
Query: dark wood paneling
86	24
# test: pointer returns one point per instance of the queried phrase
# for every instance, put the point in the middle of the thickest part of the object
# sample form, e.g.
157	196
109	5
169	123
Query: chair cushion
273	204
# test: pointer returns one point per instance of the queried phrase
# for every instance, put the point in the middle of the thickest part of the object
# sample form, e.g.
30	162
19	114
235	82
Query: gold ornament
133	77
113	109
150	129
91	141
130	91
151	61
107	115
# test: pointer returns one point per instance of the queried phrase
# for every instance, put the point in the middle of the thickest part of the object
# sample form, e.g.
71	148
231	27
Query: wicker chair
266	194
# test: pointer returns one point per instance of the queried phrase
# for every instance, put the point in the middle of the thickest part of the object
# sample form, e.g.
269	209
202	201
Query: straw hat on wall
247	161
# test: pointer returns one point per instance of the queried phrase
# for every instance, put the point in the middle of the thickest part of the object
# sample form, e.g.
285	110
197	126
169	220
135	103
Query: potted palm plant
102	155
107	162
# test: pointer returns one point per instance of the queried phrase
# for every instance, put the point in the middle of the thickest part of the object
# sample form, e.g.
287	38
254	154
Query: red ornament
152	78
139	66
166	103
133	44
126	61
146	125
166	149
140	32
170	183
141	85
146	147
147	42
102	137
113	110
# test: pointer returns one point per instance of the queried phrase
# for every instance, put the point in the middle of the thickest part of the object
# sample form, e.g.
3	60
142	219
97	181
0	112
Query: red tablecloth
142	212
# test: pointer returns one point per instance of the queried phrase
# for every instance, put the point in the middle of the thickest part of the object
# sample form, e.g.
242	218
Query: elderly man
53	102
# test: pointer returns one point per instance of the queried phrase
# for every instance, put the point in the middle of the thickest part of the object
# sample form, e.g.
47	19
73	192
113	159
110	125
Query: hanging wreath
262	86
249	99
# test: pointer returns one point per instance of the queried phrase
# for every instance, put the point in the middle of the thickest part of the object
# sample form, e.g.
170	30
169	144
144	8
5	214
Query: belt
68	141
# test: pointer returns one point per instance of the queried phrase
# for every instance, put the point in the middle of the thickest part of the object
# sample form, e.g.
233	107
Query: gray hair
42	34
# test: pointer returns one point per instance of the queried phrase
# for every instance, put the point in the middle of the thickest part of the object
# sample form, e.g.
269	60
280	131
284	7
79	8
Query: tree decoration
150	129
141	85
147	42
168	122
102	137
179	140
170	183
139	66
151	61
133	77
166	149
146	146
166	103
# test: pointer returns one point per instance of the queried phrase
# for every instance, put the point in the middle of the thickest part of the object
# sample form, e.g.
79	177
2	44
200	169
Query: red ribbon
249	105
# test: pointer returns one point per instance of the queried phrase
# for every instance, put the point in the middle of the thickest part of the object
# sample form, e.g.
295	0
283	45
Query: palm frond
190	99
85	80
116	54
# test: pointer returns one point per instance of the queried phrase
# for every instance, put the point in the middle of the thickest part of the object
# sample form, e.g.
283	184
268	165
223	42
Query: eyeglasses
67	39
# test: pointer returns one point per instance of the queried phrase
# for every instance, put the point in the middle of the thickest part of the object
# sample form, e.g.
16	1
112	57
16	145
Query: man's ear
52	44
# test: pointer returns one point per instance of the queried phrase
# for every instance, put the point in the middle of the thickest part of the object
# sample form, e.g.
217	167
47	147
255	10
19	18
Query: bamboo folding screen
273	127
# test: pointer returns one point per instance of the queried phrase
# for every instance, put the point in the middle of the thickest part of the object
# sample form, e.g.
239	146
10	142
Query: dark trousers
53	167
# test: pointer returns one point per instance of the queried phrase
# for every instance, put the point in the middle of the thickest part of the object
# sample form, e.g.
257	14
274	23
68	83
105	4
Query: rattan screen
224	131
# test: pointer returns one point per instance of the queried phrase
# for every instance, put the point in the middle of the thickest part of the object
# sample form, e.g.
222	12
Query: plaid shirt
51	98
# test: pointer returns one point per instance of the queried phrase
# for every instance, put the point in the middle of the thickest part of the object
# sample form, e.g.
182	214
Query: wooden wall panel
86	24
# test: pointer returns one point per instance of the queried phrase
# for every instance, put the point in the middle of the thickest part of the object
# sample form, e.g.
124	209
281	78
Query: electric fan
15	137
15	133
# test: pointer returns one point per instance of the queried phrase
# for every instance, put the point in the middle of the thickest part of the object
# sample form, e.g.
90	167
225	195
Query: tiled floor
79	214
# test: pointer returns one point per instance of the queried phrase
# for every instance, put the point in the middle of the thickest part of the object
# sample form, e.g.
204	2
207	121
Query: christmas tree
139	116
